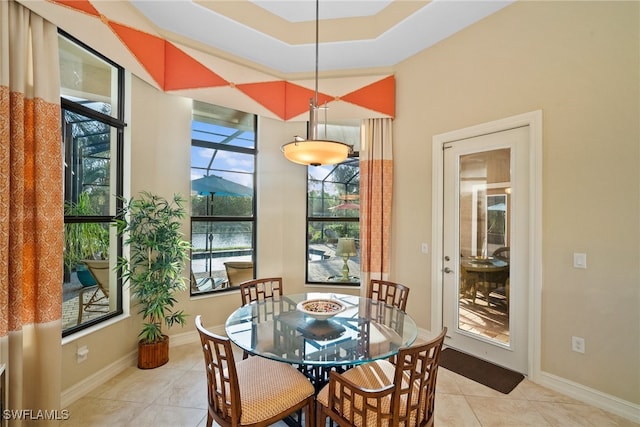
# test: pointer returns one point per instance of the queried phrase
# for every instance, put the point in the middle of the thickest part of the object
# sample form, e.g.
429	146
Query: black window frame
119	124
354	157
253	219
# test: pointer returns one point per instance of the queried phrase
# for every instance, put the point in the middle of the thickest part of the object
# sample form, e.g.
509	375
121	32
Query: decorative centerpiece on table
321	310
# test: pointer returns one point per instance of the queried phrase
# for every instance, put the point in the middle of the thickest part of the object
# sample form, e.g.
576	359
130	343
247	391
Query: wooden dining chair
390	293
381	393
260	289
254	392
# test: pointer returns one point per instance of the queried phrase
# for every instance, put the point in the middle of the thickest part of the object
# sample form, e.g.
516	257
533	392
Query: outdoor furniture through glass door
484	275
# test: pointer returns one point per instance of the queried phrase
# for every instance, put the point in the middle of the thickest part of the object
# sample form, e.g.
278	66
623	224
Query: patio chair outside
98	302
238	272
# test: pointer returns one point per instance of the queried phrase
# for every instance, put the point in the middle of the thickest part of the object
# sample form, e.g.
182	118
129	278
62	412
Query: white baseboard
598	399
191	337
84	387
188	337
591	396
87	385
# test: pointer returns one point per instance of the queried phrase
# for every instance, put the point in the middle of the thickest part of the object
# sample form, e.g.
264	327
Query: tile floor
174	395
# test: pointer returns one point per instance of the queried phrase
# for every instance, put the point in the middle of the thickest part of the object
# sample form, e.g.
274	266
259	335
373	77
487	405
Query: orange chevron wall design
173	69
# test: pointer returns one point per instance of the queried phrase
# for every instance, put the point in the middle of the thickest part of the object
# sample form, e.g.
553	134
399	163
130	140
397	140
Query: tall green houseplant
157	255
83	240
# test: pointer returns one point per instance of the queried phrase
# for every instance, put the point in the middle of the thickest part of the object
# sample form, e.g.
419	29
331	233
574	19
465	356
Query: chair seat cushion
372	376
268	388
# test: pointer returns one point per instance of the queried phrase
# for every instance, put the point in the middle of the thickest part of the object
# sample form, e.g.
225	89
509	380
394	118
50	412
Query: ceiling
280	34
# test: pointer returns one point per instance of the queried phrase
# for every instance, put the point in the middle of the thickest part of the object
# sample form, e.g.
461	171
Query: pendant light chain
315	151
315	101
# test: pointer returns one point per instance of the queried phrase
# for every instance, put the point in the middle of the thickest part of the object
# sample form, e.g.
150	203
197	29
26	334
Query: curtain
31	215
376	189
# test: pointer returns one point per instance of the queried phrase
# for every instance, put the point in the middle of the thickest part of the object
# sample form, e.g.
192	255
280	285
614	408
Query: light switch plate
579	260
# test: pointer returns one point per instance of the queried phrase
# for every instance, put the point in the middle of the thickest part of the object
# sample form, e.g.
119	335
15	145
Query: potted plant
83	240
157	253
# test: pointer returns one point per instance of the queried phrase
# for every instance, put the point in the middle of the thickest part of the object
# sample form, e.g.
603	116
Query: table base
319	375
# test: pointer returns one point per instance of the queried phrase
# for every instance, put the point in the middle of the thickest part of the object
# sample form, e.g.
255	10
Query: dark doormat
493	376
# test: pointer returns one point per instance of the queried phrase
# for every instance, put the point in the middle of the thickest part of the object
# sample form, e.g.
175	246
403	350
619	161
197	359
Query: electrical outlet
577	344
82	354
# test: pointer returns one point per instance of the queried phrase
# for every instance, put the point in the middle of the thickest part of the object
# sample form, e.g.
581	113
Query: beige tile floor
174	395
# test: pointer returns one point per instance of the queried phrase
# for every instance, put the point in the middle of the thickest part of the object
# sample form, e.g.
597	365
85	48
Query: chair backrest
503	253
260	289
194	283
390	293
417	365
223	392
99	269
406	399
238	271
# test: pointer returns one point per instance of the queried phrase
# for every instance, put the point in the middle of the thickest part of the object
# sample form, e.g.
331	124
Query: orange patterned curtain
376	189
31	212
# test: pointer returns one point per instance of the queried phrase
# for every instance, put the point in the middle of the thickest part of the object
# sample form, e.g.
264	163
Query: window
496	221
223	219
92	138
333	214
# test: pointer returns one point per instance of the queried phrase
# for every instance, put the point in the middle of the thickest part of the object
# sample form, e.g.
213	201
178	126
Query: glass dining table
279	329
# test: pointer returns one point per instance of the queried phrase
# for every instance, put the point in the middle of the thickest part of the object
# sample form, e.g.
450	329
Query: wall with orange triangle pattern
181	70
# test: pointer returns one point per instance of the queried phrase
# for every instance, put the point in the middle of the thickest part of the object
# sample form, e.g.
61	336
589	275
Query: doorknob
447	270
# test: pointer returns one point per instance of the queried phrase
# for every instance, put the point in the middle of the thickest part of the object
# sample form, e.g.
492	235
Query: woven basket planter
153	355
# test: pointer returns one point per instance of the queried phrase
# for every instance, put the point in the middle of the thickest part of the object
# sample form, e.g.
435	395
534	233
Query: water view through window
223	152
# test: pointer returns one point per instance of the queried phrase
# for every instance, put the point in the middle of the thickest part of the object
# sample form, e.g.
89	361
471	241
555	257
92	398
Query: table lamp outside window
346	248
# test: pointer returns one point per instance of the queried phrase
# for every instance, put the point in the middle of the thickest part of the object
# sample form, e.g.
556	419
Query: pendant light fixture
314	151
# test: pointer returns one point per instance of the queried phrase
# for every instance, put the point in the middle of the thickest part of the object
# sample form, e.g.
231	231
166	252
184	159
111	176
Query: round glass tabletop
355	330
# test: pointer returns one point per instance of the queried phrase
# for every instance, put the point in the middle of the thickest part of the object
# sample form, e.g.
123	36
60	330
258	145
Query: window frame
195	142
118	124
353	157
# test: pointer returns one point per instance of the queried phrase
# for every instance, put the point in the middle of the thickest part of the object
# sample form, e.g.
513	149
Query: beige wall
576	61
106	346
579	63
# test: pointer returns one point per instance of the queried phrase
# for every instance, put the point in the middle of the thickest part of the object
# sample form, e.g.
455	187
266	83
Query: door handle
447	270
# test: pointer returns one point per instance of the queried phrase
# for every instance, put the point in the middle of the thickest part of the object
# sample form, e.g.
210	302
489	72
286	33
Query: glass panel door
484	187
485	217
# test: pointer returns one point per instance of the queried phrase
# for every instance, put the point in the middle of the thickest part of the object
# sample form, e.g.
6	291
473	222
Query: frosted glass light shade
316	152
